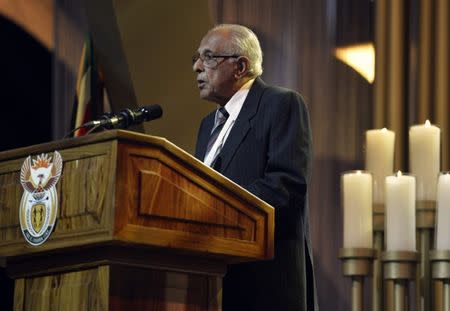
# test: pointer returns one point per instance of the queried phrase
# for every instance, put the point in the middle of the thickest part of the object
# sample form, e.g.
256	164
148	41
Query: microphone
127	117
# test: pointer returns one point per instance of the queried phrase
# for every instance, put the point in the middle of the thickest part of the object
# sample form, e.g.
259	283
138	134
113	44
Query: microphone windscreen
152	112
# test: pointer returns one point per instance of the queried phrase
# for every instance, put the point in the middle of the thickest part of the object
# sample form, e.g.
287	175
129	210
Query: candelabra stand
425	221
399	267
378	243
357	264
440	272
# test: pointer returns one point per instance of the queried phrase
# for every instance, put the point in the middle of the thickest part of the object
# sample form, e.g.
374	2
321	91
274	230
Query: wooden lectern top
125	189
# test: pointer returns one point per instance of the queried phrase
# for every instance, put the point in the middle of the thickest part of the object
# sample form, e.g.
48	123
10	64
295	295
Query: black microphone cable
103	116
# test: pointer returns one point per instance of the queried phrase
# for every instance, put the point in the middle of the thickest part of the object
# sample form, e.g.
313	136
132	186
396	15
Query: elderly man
260	138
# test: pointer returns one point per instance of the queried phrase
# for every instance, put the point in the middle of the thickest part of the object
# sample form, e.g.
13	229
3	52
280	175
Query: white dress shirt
233	107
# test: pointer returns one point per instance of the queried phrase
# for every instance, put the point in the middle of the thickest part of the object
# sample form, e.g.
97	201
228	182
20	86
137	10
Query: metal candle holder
399	267
378	244
425	222
357	263
440	272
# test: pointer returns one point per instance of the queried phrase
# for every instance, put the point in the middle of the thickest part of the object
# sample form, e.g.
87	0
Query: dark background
25	88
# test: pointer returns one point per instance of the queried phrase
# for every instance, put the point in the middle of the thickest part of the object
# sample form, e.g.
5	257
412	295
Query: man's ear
243	66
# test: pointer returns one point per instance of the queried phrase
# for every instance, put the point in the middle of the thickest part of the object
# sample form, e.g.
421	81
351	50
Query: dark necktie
221	118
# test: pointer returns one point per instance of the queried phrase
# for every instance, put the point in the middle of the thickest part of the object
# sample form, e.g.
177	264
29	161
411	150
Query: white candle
443	212
357	202
400	213
424	157
379	159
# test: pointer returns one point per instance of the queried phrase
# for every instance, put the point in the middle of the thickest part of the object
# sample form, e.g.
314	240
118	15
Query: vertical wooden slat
19	295
381	19
442	76
396	79
424	62
214	293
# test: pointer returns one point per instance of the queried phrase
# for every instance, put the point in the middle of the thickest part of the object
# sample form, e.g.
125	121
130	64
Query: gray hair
246	44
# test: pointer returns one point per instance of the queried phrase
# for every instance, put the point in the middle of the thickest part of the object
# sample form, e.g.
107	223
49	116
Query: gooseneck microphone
123	119
127	117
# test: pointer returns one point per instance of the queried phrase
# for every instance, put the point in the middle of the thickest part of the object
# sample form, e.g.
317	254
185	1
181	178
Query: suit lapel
204	137
241	126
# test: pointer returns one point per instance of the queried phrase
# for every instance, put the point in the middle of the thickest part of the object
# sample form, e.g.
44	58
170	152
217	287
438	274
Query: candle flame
358	172
399	173
427	123
384	129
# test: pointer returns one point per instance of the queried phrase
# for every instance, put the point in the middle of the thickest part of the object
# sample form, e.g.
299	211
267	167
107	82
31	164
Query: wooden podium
141	225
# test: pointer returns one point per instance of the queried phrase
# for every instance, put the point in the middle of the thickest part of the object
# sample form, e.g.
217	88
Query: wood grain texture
87	178
178	209
125	188
136	289
78	291
10	194
189	211
119	287
167	198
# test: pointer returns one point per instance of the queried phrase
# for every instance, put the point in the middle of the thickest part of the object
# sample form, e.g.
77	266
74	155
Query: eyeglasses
211	60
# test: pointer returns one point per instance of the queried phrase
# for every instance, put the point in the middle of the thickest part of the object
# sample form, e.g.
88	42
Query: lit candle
357	202
424	156
379	159
443	212
400	213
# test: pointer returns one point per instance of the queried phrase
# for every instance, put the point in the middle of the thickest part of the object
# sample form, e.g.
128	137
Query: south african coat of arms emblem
39	204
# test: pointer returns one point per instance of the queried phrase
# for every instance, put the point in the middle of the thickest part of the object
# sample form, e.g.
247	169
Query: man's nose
198	65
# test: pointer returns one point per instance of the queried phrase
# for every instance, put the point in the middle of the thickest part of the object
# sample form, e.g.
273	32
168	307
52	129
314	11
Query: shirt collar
234	105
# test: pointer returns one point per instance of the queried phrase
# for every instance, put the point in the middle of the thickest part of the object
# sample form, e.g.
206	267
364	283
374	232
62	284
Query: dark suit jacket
268	152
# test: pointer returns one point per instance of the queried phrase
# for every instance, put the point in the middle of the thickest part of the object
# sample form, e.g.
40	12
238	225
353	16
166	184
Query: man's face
216	83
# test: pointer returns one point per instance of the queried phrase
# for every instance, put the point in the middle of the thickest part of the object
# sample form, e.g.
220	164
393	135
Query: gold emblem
39	204
37	216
